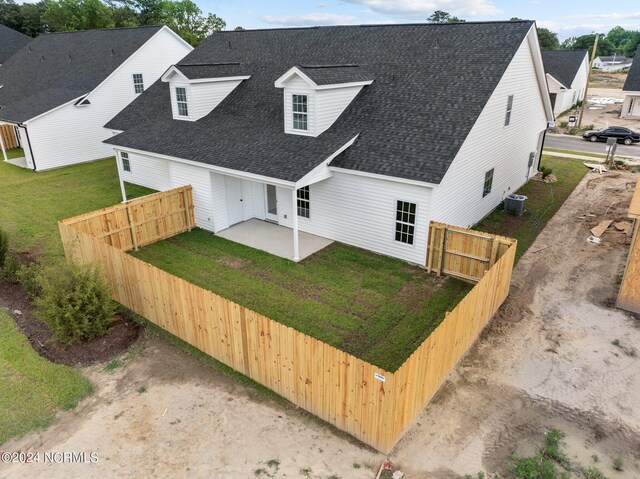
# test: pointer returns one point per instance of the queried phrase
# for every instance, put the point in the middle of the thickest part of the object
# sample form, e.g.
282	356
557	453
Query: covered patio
274	239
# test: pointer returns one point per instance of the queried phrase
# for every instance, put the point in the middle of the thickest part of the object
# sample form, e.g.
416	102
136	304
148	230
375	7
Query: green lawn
14	153
32	389
544	199
32	203
374	307
551	151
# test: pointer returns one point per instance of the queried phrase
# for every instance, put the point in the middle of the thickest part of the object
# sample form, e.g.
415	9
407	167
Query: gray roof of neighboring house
632	83
335	74
10	42
197	71
617	58
563	65
431	81
56	68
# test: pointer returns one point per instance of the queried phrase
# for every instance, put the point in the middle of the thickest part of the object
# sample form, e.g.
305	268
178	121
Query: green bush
4	246
75	302
30	277
546	171
536	467
10	269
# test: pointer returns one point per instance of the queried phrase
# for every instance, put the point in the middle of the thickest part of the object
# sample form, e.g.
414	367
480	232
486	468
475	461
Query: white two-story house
60	89
358	134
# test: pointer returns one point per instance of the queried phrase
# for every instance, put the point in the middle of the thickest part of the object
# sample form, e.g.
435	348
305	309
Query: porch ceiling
274	239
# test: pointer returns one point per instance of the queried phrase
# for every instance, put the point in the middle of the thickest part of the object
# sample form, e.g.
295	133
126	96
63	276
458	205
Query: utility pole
586	90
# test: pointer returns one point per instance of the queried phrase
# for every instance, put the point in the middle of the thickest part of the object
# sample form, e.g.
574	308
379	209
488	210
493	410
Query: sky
567	18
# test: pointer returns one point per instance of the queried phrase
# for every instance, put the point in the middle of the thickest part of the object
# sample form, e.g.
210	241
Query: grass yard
14	153
377	308
551	151
32	388
544	199
32	203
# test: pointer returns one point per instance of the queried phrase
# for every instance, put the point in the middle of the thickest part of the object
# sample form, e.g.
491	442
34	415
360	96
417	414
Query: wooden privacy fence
463	253
371	404
8	134
629	295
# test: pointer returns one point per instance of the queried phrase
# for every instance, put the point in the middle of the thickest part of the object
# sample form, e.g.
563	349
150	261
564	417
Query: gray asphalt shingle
55	68
11	42
431	81
632	83
563	65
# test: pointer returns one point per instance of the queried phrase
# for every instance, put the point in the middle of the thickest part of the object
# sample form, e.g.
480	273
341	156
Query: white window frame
303	204
126	163
294	112
507	115
138	86
486	192
401	222
184	102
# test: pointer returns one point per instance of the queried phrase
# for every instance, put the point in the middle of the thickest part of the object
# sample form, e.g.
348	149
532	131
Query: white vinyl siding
71	135
147	170
183	174
486	147
206	96
331	103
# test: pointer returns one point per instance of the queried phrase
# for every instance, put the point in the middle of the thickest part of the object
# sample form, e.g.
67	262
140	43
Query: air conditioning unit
514	204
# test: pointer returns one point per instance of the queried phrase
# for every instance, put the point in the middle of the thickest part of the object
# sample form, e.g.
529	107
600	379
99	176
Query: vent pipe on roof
42	57
112	52
69	58
229	44
30	48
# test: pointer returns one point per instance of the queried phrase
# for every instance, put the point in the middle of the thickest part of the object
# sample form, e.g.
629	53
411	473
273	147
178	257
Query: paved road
574	143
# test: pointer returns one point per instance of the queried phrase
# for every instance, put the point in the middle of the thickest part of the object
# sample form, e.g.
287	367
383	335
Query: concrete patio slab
274	239
21	162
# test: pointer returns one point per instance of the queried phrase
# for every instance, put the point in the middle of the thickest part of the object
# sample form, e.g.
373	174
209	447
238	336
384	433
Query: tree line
617	41
183	16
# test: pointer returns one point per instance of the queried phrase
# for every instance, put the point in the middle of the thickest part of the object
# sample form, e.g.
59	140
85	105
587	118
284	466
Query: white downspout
119	166
294	202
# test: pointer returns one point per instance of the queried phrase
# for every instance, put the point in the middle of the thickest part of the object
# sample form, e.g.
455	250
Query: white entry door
271	211
235	205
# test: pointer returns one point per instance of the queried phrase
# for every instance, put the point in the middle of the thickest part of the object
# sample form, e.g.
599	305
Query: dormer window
181	100
300	112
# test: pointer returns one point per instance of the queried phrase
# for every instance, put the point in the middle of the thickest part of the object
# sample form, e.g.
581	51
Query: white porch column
119	166
4	150
294	202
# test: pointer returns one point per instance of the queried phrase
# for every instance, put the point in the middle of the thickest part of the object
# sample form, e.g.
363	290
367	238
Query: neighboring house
616	63
10	42
631	90
60	89
359	134
567	73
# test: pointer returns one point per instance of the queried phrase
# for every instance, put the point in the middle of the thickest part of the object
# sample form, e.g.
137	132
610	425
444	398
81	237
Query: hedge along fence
371	404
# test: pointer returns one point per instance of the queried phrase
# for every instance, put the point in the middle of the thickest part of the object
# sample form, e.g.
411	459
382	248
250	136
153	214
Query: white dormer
316	95
197	89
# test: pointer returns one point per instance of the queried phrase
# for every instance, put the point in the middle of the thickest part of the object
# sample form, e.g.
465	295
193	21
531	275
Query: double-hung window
405	221
488	182
300	112
126	166
138	83
181	100
303	202
507	117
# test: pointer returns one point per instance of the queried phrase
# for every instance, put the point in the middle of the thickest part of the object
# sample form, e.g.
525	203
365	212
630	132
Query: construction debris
596	167
594	240
624	226
601	228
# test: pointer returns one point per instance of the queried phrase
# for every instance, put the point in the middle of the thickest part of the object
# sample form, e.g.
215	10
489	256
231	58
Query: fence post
443	244
187	208
132	228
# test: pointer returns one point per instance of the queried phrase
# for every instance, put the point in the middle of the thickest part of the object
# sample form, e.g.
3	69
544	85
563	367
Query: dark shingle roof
212	70
563	65
431	81
617	58
55	68
632	83
335	74
10	42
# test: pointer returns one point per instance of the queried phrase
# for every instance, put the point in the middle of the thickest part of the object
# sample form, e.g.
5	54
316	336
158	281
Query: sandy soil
547	360
602	116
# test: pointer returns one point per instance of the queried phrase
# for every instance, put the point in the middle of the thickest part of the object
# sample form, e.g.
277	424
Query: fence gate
463	253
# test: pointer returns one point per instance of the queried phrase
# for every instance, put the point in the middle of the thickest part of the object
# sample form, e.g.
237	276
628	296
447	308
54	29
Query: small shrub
30	278
142	389
546	171
4	246
306	472
75	302
10	269
356	465
618	463
113	365
595	457
535	467
593	473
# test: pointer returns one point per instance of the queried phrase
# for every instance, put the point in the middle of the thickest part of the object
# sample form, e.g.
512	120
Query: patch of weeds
628	350
592	473
273	463
595	457
136	350
333	476
11	269
551	449
356	465
618	463
306	472
142	389
260	472
113	364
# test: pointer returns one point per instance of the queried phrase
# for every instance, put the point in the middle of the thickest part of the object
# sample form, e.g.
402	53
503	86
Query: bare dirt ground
546	361
602	116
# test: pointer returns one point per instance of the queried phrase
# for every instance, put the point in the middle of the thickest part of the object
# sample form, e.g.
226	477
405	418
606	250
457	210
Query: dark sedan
624	135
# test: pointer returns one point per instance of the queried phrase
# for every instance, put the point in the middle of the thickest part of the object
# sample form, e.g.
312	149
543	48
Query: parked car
625	135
